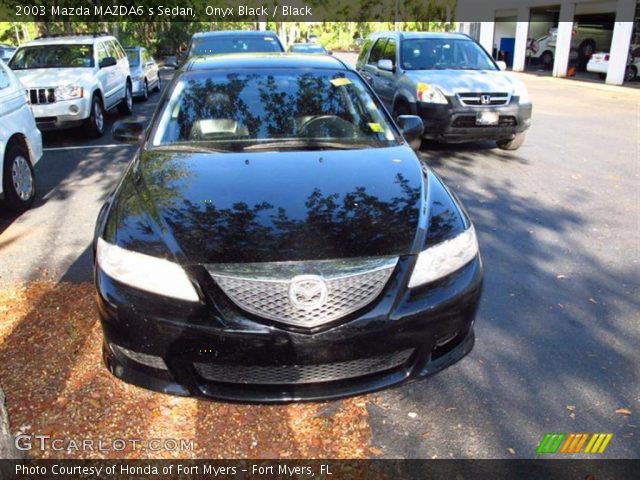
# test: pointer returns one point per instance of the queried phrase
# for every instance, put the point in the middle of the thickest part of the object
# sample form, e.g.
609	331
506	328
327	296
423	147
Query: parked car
6	52
72	80
275	238
20	144
233	41
599	63
541	51
586	38
449	80
144	72
170	61
311	48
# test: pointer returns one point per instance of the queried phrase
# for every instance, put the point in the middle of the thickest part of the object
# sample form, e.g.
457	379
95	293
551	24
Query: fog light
141	358
73	109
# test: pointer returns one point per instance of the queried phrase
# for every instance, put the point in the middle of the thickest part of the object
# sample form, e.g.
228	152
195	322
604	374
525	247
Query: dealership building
564	35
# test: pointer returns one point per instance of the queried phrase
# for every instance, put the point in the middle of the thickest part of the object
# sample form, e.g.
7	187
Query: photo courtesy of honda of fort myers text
364	239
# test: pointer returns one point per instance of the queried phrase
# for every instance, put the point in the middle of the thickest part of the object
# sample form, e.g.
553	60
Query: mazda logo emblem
485	99
307	292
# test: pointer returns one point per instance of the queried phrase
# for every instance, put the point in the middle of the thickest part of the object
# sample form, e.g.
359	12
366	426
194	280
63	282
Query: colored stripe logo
573	443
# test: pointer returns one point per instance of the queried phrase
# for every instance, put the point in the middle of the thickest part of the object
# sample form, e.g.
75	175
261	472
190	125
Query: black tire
586	49
514	143
94	125
18	181
401	108
157	88
547	59
145	91
125	107
630	73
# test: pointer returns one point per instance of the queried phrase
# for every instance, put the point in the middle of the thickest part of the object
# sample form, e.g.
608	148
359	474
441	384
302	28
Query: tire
157	88
547	59
513	143
586	49
125	107
145	91
19	181
630	73
401	108
94	125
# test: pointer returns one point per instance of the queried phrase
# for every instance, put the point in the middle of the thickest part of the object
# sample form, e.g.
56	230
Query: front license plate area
487	118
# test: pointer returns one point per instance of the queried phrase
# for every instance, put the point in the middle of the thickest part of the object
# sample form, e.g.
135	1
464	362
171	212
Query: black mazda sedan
276	238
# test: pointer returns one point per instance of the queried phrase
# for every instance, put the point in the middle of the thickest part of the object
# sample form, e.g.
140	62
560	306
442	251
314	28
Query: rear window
134	57
53	56
236	44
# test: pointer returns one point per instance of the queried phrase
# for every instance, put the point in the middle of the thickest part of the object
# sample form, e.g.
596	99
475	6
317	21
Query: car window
119	49
389	52
444	54
4	78
102	53
376	51
134	58
234	111
112	51
363	52
53	56
235	44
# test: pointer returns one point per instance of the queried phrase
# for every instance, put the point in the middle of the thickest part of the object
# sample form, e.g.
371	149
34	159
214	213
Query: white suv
20	143
74	79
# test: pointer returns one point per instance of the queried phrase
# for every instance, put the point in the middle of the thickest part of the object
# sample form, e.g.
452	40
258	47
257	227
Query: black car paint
157	211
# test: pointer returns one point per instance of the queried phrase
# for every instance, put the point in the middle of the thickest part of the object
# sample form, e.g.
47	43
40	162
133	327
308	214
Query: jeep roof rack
59	35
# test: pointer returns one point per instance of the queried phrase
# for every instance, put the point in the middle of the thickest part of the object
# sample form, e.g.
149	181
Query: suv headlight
429	94
68	92
444	258
152	274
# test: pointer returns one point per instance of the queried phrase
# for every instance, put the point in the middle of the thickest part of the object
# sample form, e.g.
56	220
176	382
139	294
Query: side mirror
501	65
108	62
385	64
330	52
412	129
128	131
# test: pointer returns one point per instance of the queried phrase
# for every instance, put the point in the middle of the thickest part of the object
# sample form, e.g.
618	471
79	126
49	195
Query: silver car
144	72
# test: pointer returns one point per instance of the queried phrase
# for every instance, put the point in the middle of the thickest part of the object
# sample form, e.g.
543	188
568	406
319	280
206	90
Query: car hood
461	81
52	77
284	206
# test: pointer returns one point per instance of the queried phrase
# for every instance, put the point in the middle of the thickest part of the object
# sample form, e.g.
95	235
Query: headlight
444	258
145	272
522	92
67	92
429	94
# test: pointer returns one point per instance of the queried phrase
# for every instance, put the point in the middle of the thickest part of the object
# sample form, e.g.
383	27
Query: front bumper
216	350
455	122
62	114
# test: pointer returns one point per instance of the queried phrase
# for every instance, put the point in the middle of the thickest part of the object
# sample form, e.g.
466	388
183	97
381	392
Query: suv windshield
53	56
443	54
236	44
273	110
134	57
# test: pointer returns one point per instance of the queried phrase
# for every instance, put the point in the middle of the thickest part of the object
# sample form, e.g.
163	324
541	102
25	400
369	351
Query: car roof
70	40
233	33
264	61
411	35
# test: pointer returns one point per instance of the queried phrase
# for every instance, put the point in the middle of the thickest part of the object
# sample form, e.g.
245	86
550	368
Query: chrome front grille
38	96
300	374
484	99
305	294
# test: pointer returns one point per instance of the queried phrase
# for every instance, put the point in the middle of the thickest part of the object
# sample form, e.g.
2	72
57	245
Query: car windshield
444	54
134	57
236	44
308	48
278	109
53	56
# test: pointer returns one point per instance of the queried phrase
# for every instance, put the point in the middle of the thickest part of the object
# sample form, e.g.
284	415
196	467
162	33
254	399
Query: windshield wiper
307	145
190	148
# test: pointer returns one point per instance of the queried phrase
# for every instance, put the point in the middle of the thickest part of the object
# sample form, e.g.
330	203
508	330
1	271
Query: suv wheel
95	123
145	91
126	105
19	182
514	143
630	73
547	59
586	49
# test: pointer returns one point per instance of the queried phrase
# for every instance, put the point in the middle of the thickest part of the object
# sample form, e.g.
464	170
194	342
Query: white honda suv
73	79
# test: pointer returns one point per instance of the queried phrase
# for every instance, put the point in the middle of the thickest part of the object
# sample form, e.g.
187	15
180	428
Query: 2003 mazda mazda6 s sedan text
276	238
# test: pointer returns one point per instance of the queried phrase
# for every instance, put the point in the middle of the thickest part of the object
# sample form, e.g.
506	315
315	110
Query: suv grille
39	96
300	374
305	294
483	99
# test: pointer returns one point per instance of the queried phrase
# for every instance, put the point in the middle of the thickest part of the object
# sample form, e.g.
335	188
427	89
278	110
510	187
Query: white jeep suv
73	79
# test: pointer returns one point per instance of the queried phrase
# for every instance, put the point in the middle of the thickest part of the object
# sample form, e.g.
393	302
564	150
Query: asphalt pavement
558	331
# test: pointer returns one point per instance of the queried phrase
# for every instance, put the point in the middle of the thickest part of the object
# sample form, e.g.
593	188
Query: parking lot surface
557	332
